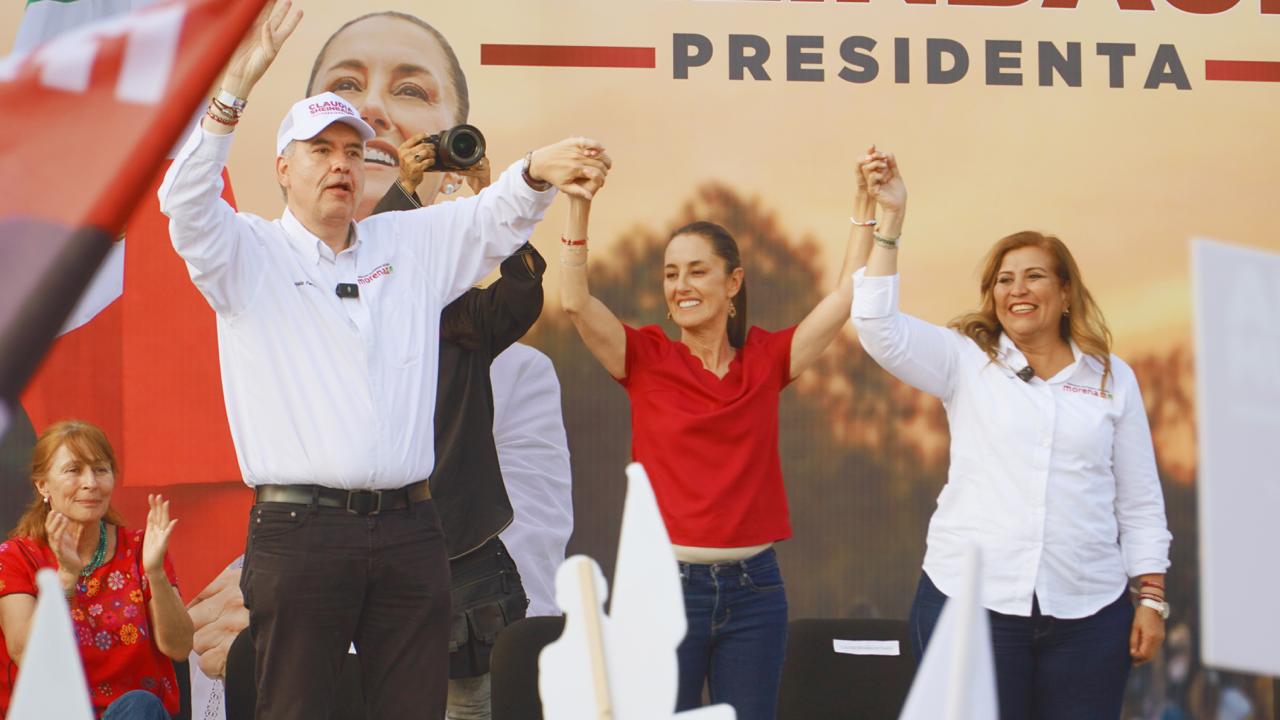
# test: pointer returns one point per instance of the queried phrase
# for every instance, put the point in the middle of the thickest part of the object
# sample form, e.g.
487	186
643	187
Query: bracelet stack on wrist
573	249
225	108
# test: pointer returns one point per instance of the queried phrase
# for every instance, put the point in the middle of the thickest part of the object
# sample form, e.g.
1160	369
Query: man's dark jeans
317	579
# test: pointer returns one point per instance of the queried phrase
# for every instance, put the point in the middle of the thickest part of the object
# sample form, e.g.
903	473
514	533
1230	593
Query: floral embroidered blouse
109	614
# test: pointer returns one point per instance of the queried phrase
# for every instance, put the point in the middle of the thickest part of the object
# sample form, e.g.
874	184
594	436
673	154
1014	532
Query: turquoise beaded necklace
99	553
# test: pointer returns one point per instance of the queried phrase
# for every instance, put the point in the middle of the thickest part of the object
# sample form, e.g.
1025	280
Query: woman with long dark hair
704	411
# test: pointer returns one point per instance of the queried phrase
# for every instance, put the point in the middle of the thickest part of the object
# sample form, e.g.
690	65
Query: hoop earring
1066	312
733	310
668	314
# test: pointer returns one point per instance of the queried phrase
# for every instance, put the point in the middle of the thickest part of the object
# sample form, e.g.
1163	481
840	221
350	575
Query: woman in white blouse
1053	477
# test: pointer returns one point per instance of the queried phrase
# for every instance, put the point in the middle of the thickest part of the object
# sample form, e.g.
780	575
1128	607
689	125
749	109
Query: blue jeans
136	705
1047	668
737	638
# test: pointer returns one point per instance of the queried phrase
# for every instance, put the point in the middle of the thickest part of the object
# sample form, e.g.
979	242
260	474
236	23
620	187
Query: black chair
514	666
818	682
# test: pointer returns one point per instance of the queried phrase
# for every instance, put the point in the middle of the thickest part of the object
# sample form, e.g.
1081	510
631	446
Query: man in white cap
328	340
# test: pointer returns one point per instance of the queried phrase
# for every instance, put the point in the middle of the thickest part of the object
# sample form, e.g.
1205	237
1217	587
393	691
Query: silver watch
1160	606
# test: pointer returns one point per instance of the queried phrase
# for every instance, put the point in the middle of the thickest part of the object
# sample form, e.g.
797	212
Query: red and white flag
90	116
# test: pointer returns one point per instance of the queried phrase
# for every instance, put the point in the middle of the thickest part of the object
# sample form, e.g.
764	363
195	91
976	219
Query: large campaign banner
1125	127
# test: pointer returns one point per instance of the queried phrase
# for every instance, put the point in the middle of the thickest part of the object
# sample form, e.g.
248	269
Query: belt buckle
364	493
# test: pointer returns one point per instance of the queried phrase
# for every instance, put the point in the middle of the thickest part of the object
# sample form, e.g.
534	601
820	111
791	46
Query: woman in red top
704	415
128	617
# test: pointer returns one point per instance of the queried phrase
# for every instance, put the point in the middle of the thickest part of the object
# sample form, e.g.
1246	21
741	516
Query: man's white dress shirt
1054	481
325	390
533	451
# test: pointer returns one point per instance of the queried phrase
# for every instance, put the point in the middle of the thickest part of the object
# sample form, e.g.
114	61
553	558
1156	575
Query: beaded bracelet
221	120
572	243
887	242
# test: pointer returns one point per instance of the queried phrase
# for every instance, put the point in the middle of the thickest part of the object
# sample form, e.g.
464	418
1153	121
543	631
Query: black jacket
467	481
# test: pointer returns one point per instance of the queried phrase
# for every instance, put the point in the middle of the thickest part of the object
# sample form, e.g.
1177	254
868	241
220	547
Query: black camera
457	148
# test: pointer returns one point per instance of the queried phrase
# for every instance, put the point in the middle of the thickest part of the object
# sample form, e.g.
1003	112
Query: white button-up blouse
1053	481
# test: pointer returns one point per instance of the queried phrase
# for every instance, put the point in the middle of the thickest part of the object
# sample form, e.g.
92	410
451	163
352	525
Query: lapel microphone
347	290
1025	374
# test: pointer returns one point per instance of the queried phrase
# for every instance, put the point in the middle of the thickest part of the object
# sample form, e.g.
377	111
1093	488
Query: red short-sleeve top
710	445
109	617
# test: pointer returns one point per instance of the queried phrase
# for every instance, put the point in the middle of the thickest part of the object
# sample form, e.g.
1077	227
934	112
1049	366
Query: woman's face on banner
397	76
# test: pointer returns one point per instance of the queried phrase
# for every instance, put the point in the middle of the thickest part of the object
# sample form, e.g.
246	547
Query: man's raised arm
204	229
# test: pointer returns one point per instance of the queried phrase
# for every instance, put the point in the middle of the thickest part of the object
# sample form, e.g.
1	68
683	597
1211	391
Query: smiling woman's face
77	487
397	76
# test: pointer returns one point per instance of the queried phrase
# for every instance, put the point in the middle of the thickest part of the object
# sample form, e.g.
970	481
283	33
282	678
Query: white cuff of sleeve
874	297
204	145
1146	564
517	171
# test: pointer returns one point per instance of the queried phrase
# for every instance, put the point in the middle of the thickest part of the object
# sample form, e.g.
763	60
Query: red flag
87	120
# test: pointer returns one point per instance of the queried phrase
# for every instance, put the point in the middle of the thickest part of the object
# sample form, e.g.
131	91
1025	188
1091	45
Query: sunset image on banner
901	431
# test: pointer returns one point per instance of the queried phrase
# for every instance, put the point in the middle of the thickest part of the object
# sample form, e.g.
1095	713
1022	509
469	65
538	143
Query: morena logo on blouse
1082	390
381	271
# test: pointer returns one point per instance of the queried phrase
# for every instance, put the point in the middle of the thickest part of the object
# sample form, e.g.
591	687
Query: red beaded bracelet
1152	583
567	241
221	121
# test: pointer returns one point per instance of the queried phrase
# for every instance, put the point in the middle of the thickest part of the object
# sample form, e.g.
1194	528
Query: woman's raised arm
815	333
599	328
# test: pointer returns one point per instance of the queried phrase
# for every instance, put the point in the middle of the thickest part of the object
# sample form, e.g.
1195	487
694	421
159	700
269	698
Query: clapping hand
155	540
577	166
64	540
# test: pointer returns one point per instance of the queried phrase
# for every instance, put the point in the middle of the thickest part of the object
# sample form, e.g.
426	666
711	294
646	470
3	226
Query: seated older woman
128	617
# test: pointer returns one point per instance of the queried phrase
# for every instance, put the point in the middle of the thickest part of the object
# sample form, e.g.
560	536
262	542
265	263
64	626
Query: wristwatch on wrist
539	185
1161	607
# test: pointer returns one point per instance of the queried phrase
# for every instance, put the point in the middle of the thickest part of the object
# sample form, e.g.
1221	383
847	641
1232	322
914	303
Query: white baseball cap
308	117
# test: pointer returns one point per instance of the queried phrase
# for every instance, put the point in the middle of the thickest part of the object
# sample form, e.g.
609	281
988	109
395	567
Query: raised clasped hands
577	166
260	46
883	180
155	539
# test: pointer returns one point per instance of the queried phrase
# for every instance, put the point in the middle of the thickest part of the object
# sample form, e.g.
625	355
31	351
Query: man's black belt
358	502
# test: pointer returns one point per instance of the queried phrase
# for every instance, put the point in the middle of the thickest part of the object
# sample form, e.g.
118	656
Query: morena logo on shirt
382	270
1082	390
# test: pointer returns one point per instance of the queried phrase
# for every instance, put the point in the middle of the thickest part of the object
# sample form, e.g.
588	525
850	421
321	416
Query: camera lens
463	146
